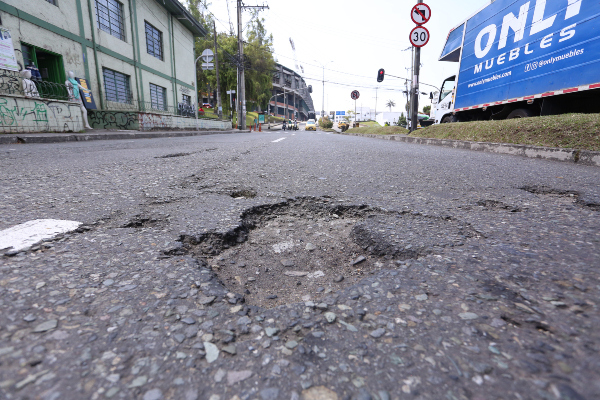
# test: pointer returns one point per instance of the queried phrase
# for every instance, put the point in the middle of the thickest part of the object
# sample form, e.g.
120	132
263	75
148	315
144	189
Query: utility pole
376	102
240	70
241	115
323	103
414	120
219	105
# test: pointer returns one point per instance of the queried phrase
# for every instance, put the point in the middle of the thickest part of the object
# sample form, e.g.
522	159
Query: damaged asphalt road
321	266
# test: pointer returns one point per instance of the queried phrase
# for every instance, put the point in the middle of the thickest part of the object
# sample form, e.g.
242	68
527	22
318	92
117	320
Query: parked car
311	125
207	105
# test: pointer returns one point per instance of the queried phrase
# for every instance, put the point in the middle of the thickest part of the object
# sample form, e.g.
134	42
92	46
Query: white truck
522	58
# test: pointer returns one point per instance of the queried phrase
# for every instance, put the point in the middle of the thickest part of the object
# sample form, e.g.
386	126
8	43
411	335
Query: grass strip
571	131
380	130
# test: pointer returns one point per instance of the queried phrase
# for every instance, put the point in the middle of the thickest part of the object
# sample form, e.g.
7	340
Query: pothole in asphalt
497	205
175	155
568	196
147	221
304	249
243	194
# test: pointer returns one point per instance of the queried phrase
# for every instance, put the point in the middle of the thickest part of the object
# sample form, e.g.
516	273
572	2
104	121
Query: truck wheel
447	119
520	113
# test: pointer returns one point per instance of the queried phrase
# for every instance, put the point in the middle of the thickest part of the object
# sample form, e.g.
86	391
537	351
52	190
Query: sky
352	39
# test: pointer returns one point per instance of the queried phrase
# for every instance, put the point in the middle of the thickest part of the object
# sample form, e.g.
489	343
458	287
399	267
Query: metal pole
415	89
240	71
323	103
219	105
376	103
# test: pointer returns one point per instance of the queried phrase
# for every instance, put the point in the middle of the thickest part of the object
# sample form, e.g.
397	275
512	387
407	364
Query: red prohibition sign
420	14
419	36
355	95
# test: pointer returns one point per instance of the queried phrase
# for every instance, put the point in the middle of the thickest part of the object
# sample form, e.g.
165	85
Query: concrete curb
583	157
83	137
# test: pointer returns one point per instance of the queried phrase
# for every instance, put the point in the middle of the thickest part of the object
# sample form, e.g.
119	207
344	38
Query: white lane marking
23	236
278	140
293	134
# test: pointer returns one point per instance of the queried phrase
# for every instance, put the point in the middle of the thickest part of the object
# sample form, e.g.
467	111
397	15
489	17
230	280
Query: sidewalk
101	134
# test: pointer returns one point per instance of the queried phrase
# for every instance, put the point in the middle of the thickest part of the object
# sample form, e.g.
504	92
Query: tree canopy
258	56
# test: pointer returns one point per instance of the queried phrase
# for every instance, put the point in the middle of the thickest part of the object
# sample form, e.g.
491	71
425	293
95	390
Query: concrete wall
158	17
20	114
131	120
59	16
184	60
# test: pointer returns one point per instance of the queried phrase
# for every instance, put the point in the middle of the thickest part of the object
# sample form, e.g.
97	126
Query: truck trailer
523	58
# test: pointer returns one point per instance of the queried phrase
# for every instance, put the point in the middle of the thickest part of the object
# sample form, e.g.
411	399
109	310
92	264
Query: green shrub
325	122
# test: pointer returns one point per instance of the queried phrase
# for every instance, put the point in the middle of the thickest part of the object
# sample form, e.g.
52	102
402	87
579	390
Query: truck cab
444	106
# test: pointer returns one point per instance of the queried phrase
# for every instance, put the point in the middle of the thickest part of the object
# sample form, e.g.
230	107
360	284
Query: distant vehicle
311	125
343	125
522	58
207	105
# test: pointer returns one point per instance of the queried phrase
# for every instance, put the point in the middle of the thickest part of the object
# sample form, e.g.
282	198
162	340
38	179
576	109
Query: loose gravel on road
318	267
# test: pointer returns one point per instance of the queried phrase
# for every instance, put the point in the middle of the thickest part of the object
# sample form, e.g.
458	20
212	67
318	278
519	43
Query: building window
116	86
109	14
43	64
154	41
187	100
158	97
53	2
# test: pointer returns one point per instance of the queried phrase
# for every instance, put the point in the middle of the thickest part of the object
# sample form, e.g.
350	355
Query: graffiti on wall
113	120
150	122
10	82
29	115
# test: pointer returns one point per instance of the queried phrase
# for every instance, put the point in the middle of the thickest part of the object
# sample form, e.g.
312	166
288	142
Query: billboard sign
7	51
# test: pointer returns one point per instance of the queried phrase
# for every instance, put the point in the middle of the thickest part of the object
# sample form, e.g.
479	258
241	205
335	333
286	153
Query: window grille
109	14
116	86
158	96
187	100
154	41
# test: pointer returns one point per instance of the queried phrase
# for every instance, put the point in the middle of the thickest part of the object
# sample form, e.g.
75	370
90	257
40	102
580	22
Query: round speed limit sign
419	36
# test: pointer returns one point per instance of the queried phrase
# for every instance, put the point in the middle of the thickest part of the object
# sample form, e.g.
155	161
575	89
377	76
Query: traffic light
380	75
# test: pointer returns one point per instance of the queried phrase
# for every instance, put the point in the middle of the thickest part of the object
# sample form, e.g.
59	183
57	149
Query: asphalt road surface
298	265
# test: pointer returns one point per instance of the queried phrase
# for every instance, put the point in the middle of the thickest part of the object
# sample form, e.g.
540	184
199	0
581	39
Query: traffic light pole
414	120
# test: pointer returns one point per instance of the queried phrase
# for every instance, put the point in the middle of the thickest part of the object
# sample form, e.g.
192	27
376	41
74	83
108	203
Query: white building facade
137	56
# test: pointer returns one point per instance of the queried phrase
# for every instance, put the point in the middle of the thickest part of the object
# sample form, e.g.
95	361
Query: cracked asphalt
319	266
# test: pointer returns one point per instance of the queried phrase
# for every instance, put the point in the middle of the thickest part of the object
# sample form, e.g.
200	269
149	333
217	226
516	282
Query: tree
427	110
390	104
259	75
258	59
349	115
402	120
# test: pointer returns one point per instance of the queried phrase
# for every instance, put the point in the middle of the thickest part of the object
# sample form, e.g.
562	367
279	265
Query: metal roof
183	16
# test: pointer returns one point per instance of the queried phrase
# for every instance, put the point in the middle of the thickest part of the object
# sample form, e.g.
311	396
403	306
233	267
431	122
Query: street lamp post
323	103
